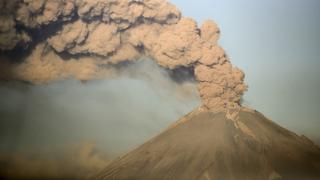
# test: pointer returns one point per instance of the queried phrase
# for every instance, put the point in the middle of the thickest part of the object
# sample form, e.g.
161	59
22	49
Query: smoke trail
43	126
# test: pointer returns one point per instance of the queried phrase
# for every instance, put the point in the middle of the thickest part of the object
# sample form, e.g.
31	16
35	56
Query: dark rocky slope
206	145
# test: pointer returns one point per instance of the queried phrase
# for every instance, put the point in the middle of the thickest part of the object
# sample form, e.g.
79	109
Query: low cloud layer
86	39
70	129
74	162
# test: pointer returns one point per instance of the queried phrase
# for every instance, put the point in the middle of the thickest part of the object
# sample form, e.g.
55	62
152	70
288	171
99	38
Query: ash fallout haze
137	89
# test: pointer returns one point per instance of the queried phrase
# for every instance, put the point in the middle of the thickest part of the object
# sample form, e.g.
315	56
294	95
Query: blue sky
277	44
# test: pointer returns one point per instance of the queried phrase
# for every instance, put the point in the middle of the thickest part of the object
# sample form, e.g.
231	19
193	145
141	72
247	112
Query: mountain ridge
207	145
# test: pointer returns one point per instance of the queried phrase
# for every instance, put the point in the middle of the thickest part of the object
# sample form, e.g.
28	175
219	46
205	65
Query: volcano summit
205	145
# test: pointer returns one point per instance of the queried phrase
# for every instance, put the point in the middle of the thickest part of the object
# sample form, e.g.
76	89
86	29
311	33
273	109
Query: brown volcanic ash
95	35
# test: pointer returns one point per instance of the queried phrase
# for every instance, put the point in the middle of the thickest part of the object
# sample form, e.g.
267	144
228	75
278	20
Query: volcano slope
207	145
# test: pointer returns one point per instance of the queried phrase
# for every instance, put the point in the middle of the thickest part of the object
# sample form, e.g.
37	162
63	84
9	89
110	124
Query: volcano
50	40
207	146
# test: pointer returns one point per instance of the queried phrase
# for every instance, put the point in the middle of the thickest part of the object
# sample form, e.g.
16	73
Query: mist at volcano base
102	118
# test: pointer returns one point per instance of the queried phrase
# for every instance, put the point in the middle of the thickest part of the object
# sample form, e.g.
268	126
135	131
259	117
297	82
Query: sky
277	44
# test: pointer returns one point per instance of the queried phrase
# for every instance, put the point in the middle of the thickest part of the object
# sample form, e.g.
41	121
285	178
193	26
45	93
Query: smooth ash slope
208	146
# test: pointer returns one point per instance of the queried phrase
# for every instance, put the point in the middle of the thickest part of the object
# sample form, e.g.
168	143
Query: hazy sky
277	44
115	114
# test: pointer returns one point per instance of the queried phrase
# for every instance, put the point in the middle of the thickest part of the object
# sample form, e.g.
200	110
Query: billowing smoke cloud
87	39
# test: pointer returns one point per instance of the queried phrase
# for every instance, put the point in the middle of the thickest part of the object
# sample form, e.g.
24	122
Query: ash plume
93	36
